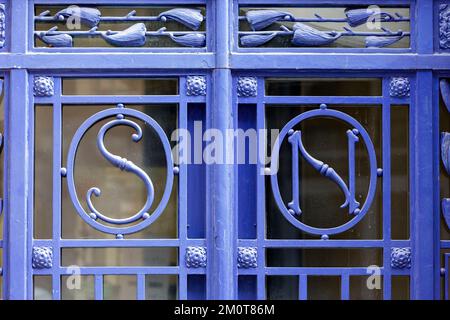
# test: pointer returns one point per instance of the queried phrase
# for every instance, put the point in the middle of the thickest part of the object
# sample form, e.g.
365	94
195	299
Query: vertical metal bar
98	287
422	188
17	264
424	26
4	164
17	164
446	277
140	287
19	26
261	193
222	272
345	286
386	166
182	192
57	153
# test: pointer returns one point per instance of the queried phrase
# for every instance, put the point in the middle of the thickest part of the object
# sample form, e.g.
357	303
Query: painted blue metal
133	36
217	77
120	112
221	177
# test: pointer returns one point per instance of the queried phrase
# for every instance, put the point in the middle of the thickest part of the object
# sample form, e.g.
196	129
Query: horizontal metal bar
338	61
318	99
325	20
325	244
119	50
112	61
122	243
318	271
58	61
118	270
445	244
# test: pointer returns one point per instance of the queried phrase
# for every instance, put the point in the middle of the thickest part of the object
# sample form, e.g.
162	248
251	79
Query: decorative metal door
120	180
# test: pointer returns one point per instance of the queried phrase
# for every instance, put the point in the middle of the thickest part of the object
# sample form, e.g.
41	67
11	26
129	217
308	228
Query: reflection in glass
324	288
117	287
122	86
92	257
324	257
323	87
42	287
71	291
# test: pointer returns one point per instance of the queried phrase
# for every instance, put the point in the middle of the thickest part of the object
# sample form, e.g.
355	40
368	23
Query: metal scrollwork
143	217
304	35
292	210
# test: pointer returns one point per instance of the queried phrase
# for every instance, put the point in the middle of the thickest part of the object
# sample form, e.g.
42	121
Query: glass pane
42	286
323	87
122	86
120	256
119	287
324	288
196	287
76	287
282	287
400	172
361	290
247	288
316	257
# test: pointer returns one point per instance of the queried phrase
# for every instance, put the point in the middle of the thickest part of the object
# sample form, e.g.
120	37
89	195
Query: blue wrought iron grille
137	113
357	181
272	245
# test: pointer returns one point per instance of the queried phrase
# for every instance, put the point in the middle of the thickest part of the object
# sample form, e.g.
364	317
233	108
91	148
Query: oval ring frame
324	113
82	130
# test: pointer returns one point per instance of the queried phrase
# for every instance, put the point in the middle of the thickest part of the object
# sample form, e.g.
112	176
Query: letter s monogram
122	164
